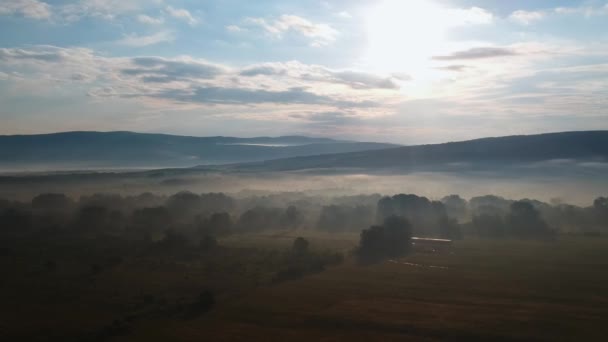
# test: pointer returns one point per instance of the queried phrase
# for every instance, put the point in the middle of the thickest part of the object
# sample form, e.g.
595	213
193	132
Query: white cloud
103	9
344	14
471	16
182	14
234	28
320	34
526	17
135	40
32	9
146	19
587	11
186	81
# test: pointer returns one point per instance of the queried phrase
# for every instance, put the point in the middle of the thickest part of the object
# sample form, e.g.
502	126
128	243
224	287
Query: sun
404	35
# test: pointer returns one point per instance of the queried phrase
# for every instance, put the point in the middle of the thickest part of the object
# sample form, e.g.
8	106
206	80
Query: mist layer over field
572	184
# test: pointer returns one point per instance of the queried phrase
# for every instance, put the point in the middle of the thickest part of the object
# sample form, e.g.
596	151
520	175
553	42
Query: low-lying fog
578	186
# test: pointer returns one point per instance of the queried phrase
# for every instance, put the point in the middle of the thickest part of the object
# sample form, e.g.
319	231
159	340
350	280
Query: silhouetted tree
52	202
151	219
300	246
524	220
207	243
260	218
424	215
216	224
342	218
489	225
455	206
392	239
449	228
184	205
173	240
292	217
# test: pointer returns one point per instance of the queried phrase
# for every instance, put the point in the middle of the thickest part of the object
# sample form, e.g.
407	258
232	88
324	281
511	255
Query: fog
579	187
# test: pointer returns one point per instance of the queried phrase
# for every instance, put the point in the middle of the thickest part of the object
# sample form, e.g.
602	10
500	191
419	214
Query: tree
397	235
456	206
292	217
216	224
392	239
424	215
489	225
207	243
52	202
524	220
300	246
600	209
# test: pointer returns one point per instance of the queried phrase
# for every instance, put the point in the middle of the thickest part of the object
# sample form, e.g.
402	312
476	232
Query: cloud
182	14
344	14
362	80
351	78
477	53
470	16
264	69
102	9
162	70
320	34
526	17
234	28
587	11
330	117
32	9
246	96
455	67
135	40
146	19
46	55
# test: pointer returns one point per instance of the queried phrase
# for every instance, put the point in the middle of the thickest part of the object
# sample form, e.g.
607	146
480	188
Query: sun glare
403	35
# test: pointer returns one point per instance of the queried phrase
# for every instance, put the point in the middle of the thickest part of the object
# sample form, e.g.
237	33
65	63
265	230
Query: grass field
484	290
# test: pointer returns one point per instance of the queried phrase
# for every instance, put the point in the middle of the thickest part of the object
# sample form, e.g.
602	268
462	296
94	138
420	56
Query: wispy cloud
454	67
102	9
526	17
320	34
146	19
351	78
162	70
477	53
136	40
182	14
234	28
32	9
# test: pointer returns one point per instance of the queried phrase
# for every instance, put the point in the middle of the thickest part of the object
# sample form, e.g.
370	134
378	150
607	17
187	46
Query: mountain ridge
575	145
116	149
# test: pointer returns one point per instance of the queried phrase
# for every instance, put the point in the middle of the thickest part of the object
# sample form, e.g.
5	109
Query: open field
483	290
491	290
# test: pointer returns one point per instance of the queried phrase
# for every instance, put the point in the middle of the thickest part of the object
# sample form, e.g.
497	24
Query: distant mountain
587	146
90	150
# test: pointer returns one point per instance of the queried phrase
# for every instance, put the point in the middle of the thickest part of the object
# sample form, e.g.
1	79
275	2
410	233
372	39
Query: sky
401	71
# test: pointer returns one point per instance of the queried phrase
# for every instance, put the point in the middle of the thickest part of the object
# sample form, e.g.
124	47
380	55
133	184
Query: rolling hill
90	150
584	146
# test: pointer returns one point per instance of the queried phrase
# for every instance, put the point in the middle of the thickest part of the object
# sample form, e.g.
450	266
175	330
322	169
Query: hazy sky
406	71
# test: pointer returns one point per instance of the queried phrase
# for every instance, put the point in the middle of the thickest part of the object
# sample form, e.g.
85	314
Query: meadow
482	290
